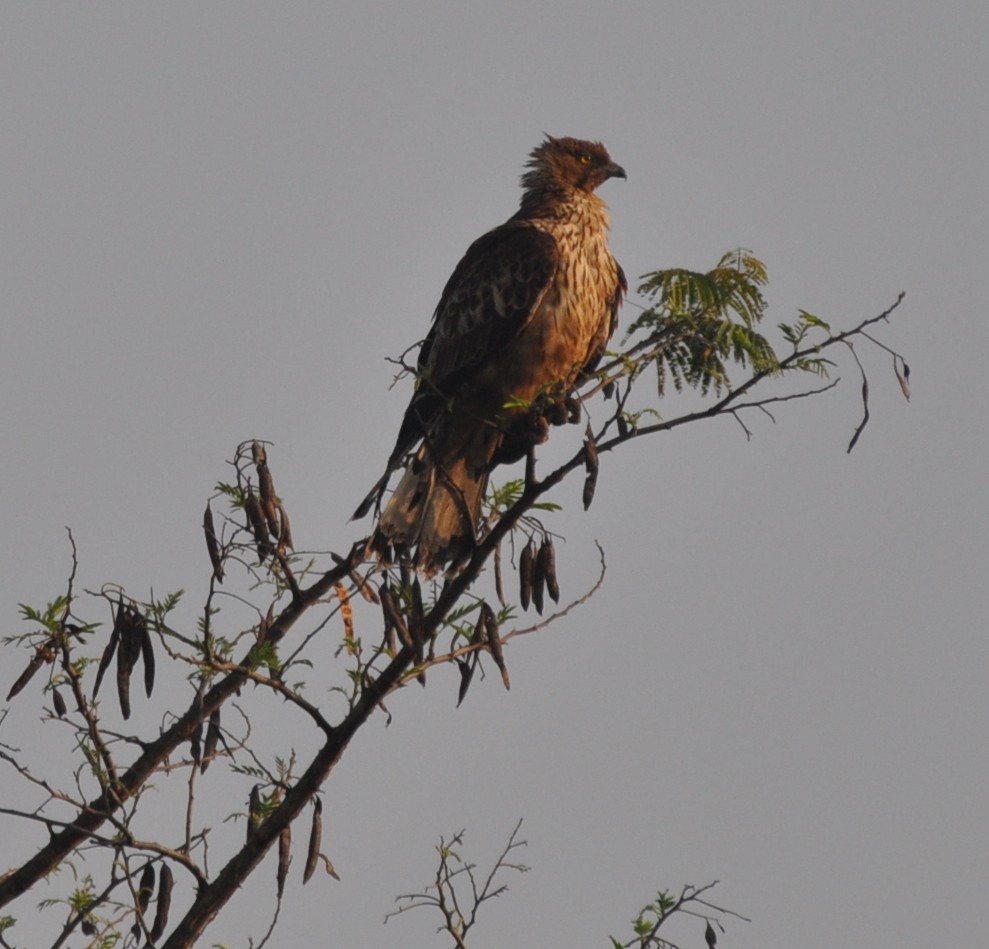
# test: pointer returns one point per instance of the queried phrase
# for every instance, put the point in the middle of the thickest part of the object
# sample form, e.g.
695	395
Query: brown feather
531	306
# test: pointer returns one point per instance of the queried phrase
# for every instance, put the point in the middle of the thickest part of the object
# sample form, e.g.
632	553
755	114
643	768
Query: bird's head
571	163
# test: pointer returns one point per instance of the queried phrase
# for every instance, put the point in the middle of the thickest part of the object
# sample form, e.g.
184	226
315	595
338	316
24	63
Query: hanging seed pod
164	904
526	568
59	703
315	840
493	638
285	529
591	467
212	544
196	744
710	936
269	500
284	857
539	579
105	659
212	739
548	552
128	650
415	627
147	655
37	660
466	668
145	888
608	390
258	525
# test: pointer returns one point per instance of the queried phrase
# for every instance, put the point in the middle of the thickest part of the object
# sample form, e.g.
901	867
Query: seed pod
59	703
591	467
285	530
196	744
269	500
539	579
129	622
259	528
608	390
466	668
88	927
526	566
105	659
165	883
315	840
493	638
37	660
145	888
552	584
212	544
212	738
710	936
284	857
415	626
147	656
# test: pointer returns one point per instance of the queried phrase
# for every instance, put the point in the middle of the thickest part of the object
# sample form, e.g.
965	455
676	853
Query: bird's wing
489	299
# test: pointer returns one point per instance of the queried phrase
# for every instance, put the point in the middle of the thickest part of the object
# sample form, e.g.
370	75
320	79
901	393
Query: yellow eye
584	159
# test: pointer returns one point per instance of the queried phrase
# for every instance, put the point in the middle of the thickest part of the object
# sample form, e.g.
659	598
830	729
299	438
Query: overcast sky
219	219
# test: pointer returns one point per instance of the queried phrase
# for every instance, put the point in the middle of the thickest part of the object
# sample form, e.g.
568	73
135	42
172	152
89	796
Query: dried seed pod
466	668
212	544
269	500
105	659
164	903
258	525
59	703
315	840
212	739
285	529
37	660
493	638
145	888
539	579
88	927
710	936
284	857
591	467
196	744
608	389
548	551
147	656
130	623
526	567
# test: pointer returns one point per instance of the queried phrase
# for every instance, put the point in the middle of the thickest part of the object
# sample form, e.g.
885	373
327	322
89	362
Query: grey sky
220	218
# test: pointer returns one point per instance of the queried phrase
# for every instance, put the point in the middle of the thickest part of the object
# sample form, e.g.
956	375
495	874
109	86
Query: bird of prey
527	311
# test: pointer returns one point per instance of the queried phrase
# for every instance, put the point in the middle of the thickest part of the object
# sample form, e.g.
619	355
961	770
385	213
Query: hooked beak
616	171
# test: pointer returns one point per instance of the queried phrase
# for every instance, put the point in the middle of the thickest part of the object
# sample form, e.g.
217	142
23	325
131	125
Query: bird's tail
436	505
